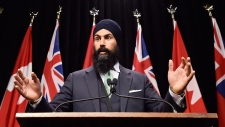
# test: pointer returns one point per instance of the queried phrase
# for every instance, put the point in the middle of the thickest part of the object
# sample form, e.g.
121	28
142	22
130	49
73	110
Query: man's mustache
103	49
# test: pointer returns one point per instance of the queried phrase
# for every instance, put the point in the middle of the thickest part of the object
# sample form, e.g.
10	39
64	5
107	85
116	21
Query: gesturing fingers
188	67
183	62
34	77
191	75
18	81
19	87
170	65
21	74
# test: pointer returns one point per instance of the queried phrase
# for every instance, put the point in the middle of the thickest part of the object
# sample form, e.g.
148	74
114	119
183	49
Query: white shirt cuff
177	98
34	105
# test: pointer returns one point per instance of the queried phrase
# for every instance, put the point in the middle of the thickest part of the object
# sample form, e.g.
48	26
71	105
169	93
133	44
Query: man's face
104	38
106	51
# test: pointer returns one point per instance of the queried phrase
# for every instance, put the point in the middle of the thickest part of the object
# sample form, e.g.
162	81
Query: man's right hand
28	88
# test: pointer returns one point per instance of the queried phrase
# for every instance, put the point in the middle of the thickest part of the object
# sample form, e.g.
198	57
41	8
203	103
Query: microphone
113	83
81	101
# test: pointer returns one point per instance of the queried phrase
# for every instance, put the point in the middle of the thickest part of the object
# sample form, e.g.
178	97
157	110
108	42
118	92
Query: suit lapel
92	84
124	83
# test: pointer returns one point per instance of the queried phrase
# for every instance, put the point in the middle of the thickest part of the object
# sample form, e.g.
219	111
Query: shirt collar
117	67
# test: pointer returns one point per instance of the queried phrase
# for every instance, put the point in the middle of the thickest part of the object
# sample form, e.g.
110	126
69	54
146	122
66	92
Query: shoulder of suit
83	71
129	71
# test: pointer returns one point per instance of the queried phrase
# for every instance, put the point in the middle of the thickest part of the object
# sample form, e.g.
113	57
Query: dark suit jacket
83	84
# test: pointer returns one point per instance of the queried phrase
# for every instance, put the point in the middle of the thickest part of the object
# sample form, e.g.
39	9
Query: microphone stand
141	98
81	100
113	91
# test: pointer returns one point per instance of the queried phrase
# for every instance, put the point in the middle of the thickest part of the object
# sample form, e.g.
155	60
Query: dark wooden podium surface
116	119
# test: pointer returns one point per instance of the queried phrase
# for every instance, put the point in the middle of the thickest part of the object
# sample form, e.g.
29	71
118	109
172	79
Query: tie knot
108	75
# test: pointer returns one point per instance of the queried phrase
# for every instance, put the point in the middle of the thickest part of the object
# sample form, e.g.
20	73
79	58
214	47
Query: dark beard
104	62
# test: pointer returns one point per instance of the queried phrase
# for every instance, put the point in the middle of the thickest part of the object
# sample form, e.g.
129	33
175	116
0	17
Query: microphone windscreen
114	81
109	81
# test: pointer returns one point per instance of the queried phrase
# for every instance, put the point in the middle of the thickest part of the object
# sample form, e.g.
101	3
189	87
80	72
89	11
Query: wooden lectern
116	119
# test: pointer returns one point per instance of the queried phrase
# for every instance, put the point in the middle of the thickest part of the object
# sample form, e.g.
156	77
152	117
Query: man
91	82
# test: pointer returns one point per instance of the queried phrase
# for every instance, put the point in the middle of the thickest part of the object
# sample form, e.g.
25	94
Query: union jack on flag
219	55
142	62
52	79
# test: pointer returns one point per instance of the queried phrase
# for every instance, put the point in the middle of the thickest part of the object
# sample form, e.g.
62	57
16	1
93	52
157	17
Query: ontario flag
219	55
52	79
12	101
89	53
142	62
195	103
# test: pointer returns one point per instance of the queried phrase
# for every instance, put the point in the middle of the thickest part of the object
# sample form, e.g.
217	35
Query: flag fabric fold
12	101
52	78
89	52
219	55
194	100
141	61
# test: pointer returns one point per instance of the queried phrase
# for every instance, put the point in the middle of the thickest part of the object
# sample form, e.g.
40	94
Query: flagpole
13	102
51	83
59	12
94	12
142	63
89	53
33	15
194	104
219	62
1	10
137	15
209	8
172	10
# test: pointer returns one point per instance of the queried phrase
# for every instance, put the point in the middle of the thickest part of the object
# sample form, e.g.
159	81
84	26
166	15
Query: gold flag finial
209	8
58	12
94	12
172	10
33	14
1	10
137	15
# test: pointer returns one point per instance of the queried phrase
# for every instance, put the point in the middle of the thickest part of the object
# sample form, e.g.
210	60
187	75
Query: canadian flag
13	102
195	103
89	53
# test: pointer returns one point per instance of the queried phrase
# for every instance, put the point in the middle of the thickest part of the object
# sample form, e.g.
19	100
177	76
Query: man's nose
102	42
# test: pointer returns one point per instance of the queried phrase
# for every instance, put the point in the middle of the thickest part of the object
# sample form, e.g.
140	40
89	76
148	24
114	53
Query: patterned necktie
107	87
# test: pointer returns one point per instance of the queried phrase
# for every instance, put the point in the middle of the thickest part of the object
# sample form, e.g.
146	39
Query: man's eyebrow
104	35
108	34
